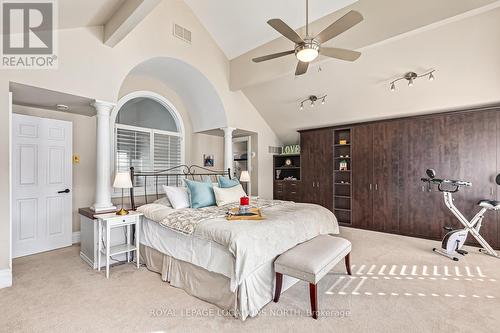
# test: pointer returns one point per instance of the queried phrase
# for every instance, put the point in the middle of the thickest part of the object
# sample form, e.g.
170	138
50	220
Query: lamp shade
122	180
245	176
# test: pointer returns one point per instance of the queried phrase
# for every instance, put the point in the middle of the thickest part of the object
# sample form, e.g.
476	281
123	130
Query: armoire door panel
362	173
307	166
421	212
472	159
386	179
324	158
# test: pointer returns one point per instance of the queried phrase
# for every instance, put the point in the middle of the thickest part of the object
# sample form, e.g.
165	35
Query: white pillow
178	196
224	196
163	201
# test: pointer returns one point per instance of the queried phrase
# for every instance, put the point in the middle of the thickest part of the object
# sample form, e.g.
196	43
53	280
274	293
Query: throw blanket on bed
255	243
252	243
186	220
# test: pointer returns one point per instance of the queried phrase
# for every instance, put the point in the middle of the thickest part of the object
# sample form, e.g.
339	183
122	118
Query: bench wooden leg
313	294
348	263
277	288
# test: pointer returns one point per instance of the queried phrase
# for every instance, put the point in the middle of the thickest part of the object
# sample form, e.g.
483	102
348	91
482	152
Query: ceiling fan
309	48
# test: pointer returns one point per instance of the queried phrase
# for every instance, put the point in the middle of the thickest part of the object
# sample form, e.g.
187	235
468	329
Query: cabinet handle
318	184
491	191
376	187
370	187
313	184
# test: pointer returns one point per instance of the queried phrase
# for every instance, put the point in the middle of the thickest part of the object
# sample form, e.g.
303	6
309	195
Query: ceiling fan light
410	83
307	54
393	87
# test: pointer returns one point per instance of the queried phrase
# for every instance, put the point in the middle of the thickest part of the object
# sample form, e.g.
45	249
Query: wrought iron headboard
171	177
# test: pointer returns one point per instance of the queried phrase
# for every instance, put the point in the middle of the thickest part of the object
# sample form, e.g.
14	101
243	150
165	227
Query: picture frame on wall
208	161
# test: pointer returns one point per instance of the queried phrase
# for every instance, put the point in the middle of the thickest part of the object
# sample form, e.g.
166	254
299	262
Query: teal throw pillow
225	182
201	194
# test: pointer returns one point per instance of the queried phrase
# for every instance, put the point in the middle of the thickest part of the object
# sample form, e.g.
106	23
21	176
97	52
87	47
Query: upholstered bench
311	261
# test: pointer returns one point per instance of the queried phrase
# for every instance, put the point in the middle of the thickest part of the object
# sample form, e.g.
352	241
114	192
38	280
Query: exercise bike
454	239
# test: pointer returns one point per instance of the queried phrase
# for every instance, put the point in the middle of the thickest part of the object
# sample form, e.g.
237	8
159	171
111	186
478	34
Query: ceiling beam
125	19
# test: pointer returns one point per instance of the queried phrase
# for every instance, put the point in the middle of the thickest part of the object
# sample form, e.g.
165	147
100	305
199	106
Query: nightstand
111	221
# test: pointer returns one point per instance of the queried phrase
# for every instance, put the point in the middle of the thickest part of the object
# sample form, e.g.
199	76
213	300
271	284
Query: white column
228	148
103	149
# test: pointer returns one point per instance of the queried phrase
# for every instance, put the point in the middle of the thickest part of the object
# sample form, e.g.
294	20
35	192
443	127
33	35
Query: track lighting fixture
411	77
312	100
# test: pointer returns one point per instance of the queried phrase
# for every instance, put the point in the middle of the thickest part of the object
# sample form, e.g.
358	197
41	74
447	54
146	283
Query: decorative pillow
225	182
178	196
163	201
201	194
224	196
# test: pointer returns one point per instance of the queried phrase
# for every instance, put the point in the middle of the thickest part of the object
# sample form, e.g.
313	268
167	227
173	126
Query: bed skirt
250	297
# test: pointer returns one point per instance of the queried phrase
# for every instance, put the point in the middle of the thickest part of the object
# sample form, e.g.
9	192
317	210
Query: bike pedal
462	252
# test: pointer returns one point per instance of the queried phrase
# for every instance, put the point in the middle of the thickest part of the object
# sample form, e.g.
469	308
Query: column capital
103	106
228	130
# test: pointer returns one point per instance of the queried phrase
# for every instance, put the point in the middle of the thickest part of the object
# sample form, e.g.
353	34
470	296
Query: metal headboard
171	177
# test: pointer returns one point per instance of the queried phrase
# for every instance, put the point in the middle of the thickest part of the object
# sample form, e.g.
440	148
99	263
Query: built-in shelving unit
282	170
342	180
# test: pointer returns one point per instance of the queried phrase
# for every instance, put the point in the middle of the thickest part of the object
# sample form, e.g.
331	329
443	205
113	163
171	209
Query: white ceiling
465	54
240	26
85	13
48	99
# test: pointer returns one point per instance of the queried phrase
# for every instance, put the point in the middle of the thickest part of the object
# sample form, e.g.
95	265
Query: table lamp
122	180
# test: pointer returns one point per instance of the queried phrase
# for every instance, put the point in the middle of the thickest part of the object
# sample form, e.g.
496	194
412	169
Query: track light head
431	76
393	87
410	83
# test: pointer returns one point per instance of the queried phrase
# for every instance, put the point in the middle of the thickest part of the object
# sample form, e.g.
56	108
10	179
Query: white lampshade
245	176
122	180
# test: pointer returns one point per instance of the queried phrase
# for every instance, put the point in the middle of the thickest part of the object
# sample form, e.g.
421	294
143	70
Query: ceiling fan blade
301	68
273	56
285	30
342	54
344	23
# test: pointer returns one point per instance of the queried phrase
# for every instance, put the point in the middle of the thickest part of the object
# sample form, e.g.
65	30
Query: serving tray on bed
233	215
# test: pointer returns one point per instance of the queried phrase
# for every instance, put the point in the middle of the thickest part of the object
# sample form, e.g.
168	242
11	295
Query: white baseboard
76	237
5	278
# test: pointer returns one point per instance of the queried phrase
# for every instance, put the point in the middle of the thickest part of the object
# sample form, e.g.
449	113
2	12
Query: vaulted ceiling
456	37
239	26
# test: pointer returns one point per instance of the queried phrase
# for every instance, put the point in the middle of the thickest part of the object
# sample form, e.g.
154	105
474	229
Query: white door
41	184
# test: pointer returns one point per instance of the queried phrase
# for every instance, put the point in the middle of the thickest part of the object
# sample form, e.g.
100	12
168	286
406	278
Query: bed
229	264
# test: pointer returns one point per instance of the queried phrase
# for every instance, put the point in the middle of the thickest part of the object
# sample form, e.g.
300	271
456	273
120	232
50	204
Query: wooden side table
111	221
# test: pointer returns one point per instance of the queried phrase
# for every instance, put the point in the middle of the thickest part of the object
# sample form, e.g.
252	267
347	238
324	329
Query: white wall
89	68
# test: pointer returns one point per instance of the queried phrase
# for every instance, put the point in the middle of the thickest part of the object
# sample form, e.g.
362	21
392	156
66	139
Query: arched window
148	134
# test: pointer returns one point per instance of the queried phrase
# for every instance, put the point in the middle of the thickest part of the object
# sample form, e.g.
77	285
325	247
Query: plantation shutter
133	148
167	151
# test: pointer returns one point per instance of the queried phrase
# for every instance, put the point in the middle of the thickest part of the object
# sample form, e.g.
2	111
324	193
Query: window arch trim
156	97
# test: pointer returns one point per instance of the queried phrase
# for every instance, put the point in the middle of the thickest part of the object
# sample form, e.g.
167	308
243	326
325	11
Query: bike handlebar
455	184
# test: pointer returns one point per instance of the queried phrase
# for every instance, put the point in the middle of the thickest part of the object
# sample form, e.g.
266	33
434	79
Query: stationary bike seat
490	204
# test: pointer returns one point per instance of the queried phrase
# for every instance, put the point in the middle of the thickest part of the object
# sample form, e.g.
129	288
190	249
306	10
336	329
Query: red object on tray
244	201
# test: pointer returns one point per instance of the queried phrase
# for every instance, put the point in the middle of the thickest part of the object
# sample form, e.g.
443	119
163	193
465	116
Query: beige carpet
398	285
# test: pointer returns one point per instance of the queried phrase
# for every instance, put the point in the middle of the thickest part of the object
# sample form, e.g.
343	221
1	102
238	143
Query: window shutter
167	151
133	149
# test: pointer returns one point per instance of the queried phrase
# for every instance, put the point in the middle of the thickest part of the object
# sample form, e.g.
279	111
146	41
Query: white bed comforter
255	243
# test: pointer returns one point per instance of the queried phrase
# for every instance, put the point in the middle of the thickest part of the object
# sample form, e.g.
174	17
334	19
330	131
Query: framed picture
208	161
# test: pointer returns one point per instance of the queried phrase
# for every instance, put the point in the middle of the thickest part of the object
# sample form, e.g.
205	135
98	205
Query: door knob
65	191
